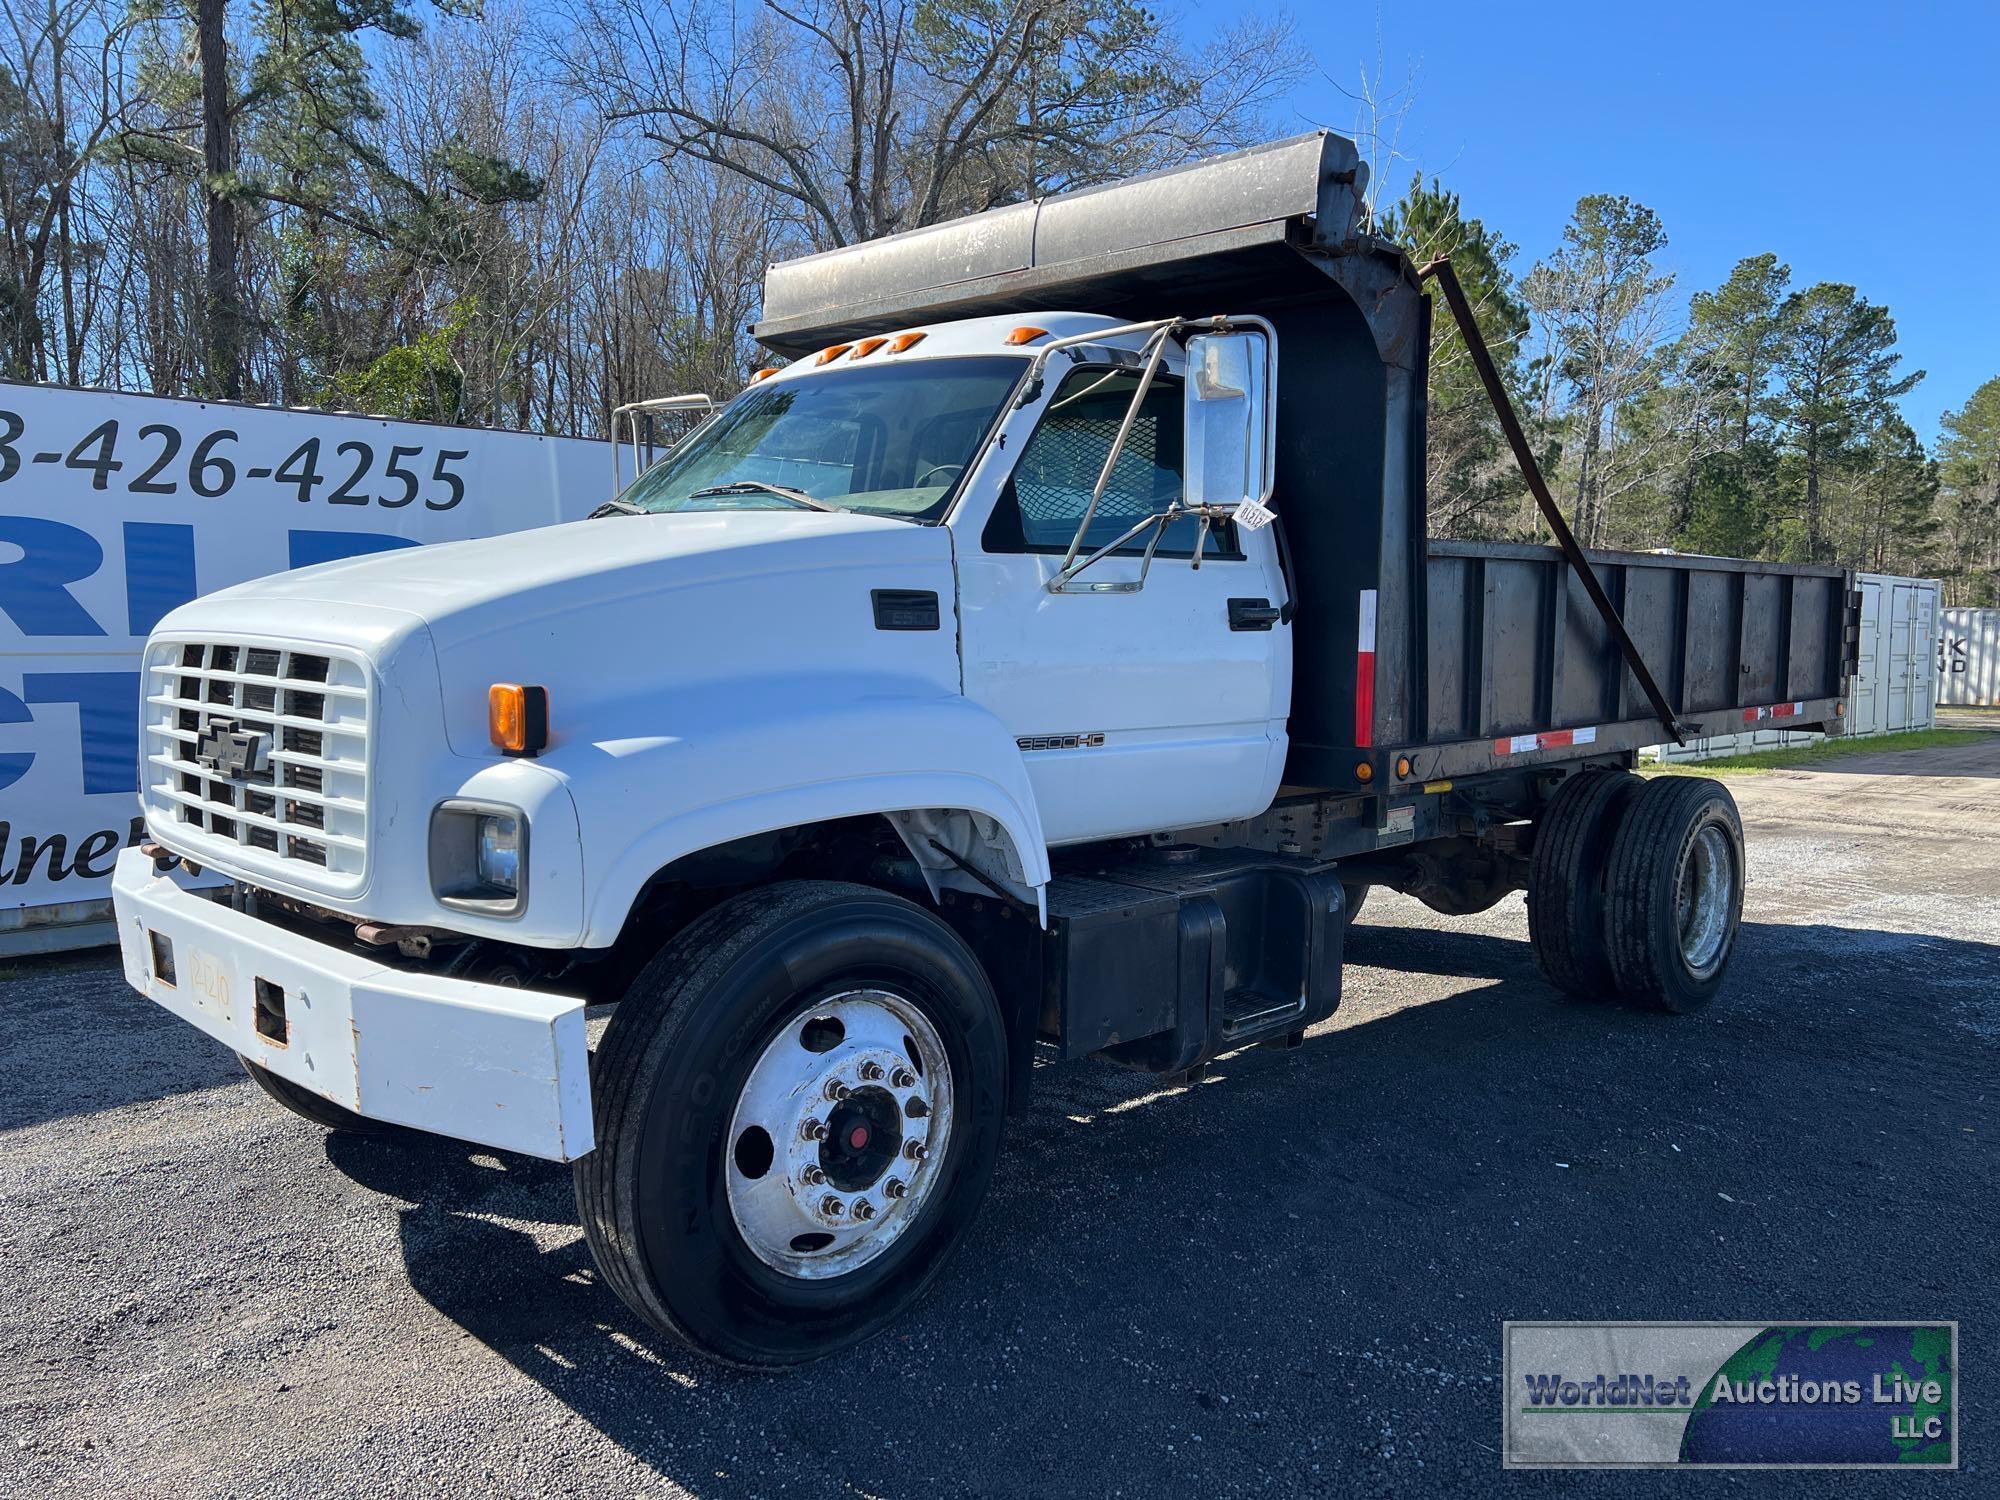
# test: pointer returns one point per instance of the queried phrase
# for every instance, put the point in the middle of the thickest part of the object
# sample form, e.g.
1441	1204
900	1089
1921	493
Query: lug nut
811	1175
872	1071
832	1207
894	1188
863	1210
813	1130
836	1090
903	1078
916	1150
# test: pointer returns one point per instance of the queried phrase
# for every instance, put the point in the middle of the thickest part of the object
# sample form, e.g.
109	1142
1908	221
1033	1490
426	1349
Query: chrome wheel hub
1707	896
838	1135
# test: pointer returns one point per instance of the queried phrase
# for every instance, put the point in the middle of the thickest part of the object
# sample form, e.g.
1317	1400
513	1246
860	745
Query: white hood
611	614
452	586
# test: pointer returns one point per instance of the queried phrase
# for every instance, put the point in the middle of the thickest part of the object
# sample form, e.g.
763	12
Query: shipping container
1968	659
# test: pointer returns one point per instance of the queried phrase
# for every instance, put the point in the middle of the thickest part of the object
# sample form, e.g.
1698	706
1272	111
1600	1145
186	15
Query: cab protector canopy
1270	230
1449	651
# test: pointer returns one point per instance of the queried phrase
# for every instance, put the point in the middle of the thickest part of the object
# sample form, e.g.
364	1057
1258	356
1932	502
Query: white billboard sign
116	508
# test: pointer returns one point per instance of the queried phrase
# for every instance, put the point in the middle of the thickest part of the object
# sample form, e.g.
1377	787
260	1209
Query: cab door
1134	711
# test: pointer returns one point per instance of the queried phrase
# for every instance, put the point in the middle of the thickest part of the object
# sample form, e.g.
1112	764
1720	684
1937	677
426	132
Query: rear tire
705	1200
310	1106
1676	892
1567	880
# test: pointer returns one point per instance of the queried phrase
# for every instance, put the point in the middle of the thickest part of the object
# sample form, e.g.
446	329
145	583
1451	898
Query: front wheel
798	1109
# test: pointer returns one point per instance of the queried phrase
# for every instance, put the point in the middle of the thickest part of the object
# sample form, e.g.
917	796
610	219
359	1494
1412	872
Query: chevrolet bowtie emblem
227	747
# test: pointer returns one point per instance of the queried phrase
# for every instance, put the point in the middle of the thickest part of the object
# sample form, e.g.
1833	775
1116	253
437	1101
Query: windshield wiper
617	508
758	487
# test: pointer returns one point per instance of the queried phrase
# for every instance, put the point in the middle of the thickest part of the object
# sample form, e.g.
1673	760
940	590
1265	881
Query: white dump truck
1049	655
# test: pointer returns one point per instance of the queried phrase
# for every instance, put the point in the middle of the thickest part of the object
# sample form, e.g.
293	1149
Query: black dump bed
1416	658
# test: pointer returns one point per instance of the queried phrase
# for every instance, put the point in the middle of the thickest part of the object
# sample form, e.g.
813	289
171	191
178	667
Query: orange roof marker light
764	374
904	341
1025	335
867	347
828	356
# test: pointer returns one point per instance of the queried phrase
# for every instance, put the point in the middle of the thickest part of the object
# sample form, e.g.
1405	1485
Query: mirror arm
1059	583
1156	350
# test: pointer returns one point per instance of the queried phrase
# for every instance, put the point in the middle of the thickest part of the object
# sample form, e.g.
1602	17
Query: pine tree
1468	477
1969	507
1838	360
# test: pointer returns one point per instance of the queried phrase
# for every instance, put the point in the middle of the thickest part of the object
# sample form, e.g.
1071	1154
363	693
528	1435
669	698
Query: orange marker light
764	374
904	341
1364	772
517	718
867	347
1025	335
1402	765
828	356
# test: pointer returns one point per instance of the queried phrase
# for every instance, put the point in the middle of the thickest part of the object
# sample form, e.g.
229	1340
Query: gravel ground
1289	1278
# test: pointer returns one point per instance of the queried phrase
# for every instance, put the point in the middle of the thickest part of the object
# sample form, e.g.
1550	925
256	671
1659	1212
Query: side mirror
1230	414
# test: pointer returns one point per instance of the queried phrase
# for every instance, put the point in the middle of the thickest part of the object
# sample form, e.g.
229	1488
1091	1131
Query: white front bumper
482	1062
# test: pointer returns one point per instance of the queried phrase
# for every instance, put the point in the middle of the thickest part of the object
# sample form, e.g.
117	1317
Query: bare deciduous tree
864	117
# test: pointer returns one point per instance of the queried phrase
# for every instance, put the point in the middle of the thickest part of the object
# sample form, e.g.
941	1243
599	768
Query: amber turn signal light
1364	772
517	718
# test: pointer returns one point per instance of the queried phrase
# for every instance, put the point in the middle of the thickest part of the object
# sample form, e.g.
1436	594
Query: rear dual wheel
1636	888
1674	893
798	1108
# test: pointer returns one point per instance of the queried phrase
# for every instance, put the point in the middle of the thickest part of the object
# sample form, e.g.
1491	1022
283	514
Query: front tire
307	1105
711	1207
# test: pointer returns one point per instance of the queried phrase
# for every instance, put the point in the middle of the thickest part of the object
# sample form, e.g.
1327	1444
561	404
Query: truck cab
989	675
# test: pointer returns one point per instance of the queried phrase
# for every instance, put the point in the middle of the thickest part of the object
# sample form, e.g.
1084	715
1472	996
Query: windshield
889	440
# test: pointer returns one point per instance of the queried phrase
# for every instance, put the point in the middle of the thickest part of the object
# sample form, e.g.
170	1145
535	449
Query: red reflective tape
1364	672
1774	711
1551	739
1364	699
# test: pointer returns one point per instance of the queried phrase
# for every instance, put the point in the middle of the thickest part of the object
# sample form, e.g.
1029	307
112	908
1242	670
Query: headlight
479	857
500	852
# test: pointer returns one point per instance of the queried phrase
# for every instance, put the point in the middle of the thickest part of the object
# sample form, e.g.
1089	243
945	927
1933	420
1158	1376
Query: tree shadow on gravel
1294	1273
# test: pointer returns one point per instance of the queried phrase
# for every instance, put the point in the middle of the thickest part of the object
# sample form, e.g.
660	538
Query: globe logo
1862	1395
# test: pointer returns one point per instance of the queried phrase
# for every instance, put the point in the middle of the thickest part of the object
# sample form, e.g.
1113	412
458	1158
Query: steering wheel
924	478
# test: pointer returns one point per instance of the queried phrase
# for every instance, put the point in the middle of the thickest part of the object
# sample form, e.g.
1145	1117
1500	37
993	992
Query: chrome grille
261	751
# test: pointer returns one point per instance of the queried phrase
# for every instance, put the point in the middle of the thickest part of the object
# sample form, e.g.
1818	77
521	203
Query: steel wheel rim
838	1177
1705	900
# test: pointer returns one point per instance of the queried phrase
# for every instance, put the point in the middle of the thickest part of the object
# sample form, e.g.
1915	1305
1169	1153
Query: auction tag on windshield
1253	515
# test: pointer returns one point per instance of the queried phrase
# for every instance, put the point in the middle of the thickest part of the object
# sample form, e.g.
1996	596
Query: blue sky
1861	143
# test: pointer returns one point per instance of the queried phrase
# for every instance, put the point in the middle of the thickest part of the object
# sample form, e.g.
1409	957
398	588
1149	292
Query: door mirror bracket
1229	415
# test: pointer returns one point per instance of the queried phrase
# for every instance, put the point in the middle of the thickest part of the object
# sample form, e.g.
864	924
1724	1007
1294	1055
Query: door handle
1256	614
